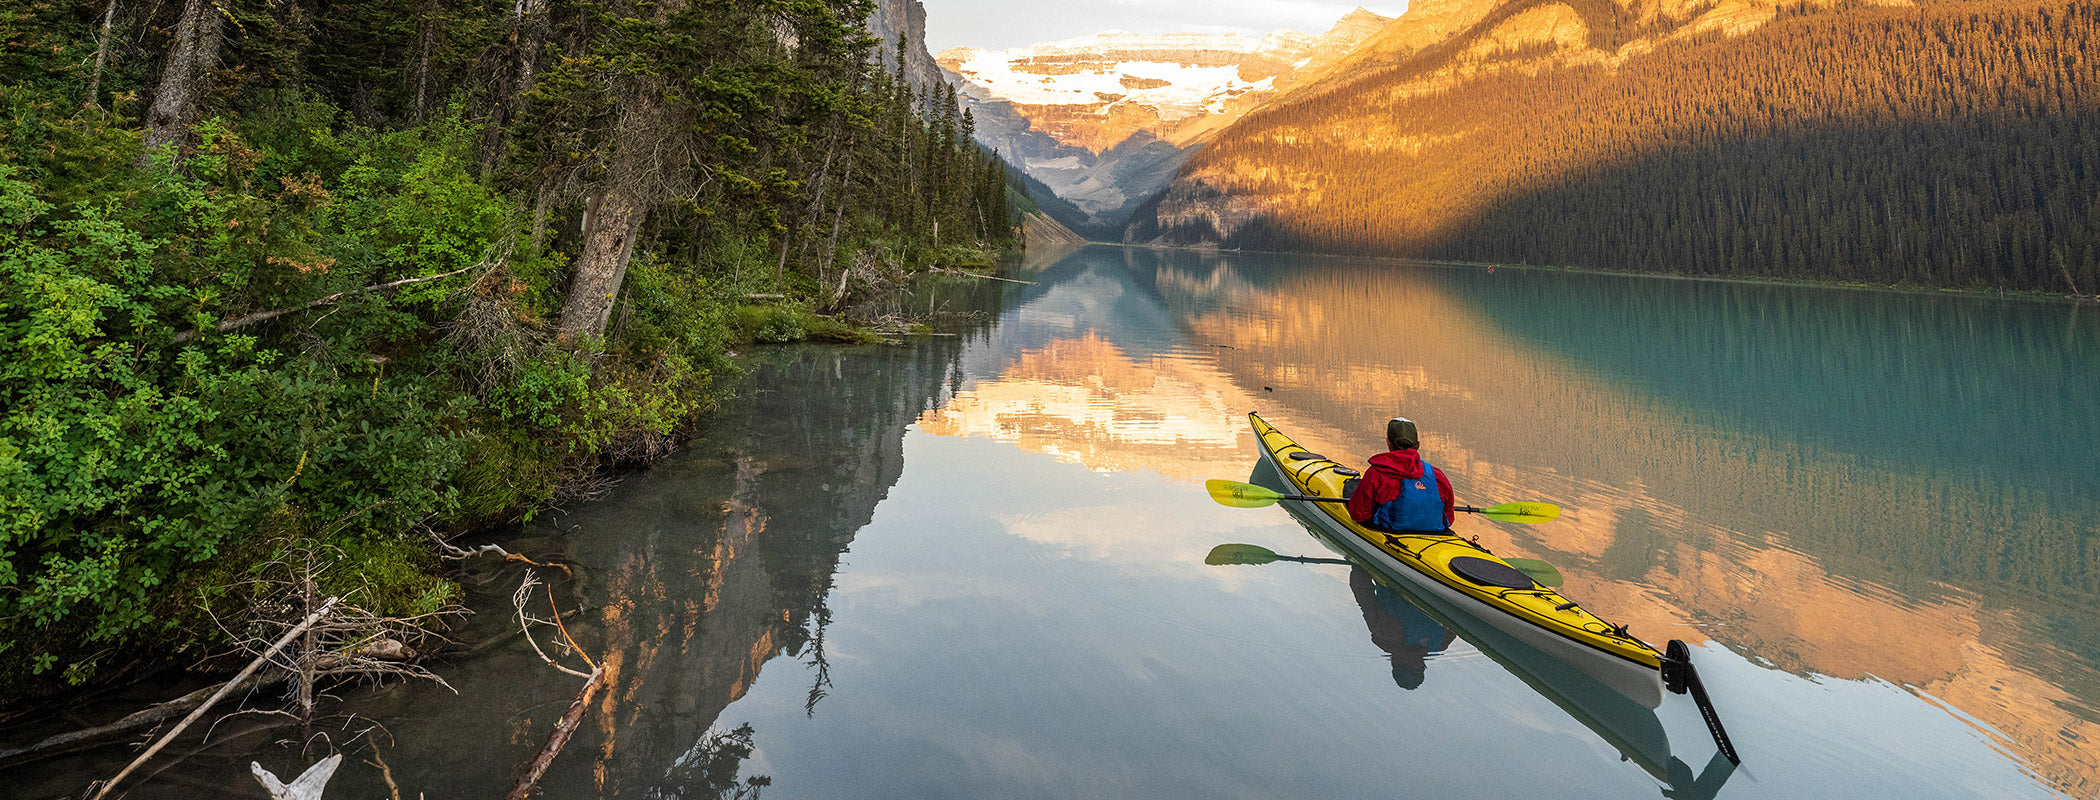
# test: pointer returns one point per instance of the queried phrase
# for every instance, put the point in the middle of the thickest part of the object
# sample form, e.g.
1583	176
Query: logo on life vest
1418	485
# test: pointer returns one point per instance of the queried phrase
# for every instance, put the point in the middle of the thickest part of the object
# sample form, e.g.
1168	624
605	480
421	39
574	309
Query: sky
1000	24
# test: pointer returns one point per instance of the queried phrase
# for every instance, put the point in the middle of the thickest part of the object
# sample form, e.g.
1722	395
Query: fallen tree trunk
944	271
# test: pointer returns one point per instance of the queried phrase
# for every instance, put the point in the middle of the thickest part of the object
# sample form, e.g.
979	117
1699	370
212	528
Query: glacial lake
972	565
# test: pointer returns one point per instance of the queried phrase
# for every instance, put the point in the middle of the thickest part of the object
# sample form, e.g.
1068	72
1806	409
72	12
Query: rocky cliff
905	20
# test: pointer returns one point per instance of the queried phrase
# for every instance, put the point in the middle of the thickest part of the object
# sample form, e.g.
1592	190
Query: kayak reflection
1624	724
1406	634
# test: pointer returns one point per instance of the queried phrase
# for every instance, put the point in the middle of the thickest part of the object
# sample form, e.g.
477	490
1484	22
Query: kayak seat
1490	573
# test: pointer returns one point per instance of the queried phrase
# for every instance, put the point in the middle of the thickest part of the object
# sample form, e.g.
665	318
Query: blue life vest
1420	506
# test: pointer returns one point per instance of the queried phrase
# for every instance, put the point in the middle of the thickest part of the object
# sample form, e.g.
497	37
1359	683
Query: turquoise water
972	566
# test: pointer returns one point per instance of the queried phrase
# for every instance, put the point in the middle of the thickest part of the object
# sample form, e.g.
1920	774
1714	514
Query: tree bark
838	216
608	244
563	729
528	36
542	204
190	59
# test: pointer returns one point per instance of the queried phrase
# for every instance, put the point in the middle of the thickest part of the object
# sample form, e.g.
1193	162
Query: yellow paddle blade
1537	570
1239	554
1240	495
1522	512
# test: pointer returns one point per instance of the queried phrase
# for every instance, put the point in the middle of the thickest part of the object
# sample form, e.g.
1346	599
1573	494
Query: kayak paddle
1247	495
1545	574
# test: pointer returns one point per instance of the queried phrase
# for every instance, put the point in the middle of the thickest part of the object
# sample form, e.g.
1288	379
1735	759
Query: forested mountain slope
1952	144
294	276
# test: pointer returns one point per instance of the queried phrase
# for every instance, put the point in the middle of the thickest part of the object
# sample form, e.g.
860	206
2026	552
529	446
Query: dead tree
94	91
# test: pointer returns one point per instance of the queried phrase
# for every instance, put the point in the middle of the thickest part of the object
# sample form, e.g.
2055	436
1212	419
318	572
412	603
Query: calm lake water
972	566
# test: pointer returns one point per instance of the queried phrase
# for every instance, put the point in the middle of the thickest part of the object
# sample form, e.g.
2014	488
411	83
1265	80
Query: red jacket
1381	484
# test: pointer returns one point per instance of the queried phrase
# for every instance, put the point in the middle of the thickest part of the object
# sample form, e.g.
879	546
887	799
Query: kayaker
1394	494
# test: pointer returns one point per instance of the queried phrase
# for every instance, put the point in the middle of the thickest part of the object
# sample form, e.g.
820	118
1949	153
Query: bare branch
223	691
523	596
265	316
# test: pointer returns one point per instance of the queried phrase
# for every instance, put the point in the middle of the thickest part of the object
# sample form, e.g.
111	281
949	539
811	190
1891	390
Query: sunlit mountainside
1103	121
1947	144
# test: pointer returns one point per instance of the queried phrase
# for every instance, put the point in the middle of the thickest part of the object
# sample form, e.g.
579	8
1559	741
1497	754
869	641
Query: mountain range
1946	143
1104	121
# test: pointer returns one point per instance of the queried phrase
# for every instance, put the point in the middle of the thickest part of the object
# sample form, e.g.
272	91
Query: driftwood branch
246	320
977	275
456	553
560	737
523	596
393	790
566	726
221	694
155	715
308	786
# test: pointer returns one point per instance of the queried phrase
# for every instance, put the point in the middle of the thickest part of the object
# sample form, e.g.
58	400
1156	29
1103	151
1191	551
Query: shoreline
499	529
2008	294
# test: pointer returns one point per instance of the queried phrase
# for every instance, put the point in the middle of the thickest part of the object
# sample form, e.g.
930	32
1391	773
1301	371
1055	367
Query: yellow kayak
1470	578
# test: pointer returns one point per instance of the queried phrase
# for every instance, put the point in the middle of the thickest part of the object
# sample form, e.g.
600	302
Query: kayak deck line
1537	614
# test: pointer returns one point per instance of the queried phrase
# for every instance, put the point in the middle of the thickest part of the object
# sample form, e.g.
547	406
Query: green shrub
771	324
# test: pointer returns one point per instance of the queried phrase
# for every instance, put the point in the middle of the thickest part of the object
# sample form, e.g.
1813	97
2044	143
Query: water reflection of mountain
1074	294
1822	549
733	572
1101	375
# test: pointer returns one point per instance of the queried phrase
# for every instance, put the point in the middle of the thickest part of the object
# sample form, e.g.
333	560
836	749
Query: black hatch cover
1490	573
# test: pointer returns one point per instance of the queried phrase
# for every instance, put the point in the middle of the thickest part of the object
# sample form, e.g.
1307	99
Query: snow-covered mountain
1105	120
1096	91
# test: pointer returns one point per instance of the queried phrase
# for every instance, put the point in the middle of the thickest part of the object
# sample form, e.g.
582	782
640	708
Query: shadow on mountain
1943	145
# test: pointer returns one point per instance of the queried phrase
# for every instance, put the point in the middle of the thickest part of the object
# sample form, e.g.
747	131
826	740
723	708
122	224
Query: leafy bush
129	455
125	459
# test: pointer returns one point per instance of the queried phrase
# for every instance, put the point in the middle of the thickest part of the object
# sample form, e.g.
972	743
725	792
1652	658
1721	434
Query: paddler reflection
1406	634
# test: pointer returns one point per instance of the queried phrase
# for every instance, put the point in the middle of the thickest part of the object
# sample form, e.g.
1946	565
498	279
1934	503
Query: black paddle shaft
1314	498
1318	499
1679	676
